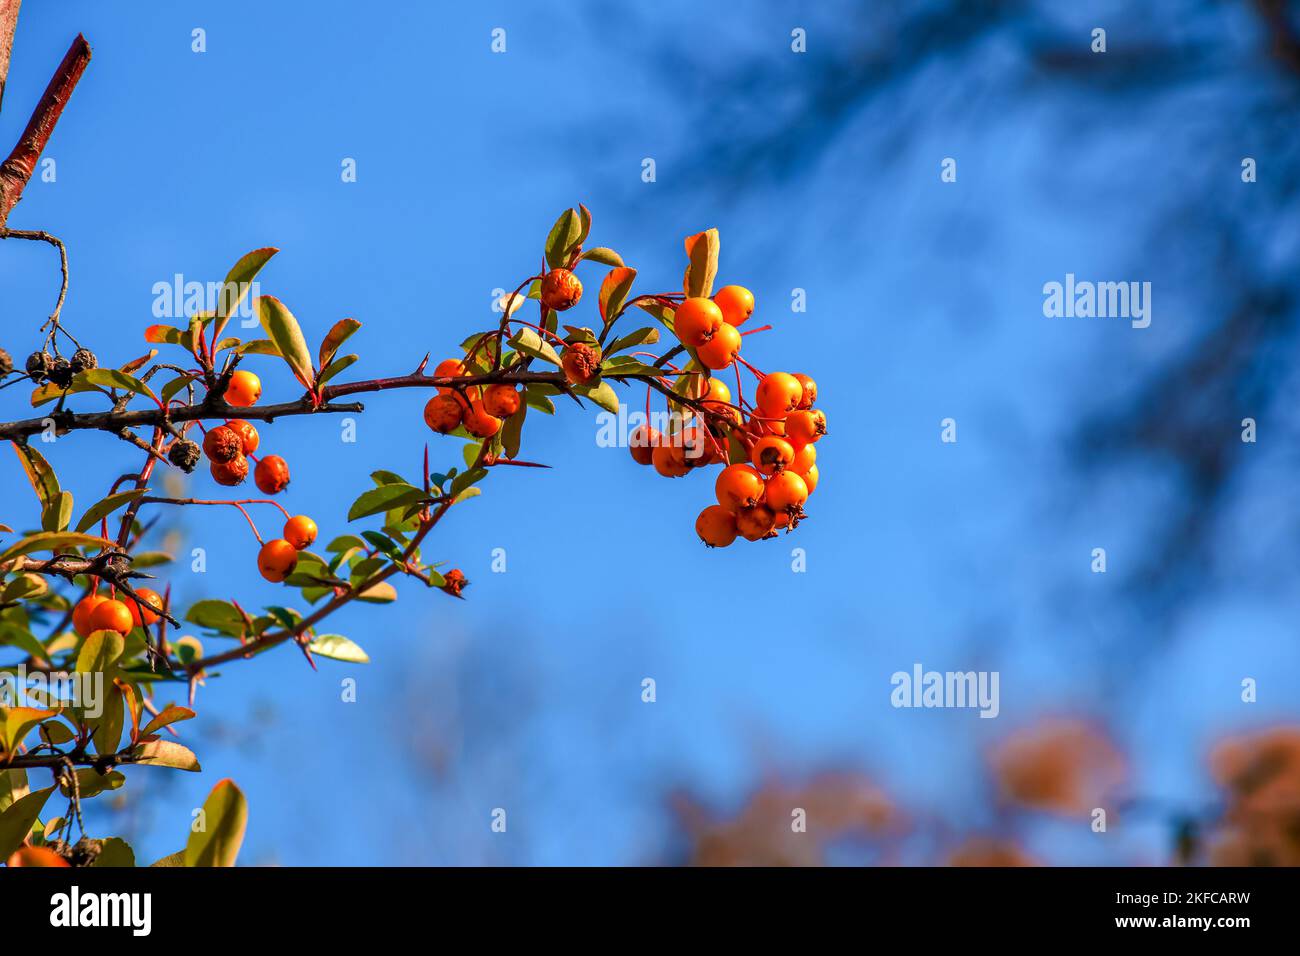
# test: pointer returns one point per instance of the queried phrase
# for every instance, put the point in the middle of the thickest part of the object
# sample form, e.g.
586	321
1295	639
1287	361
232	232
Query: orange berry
805	426
479	423
222	443
501	400
444	413
561	290
771	454
736	303
756	522
152	602
581	363
738	486
810	479
642	443
246	432
81	613
779	394
721	350
276	560
716	526
36	856
449	368
696	321
244	389
785	492
300	531
111	615
809	390
668	459
271	475
230	473
804	458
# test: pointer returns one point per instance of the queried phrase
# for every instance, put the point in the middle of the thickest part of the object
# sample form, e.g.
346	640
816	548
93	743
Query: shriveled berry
39	365
230	473
61	372
271	475
6	363
561	290
247	434
83	360
581	363
184	454
221	444
454	581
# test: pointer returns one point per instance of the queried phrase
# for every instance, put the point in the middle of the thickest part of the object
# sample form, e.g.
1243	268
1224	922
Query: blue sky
924	302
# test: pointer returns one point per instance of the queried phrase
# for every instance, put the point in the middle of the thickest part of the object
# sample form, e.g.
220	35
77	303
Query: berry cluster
768	448
229	446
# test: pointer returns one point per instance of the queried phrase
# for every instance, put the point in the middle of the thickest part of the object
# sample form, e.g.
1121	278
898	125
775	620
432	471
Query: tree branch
8	21
17	170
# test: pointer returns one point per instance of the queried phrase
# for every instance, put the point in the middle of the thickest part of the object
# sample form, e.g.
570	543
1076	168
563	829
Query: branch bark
17	170
8	21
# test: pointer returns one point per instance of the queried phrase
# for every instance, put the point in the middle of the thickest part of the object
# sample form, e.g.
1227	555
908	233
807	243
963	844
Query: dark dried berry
61	374
38	365
83	360
6	363
184	454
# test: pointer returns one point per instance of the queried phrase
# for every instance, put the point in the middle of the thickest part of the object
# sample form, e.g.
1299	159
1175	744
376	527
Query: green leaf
535	397
163	335
171	859
604	256
512	432
530	343
384	498
16	722
59	512
335	337
225	815
702	250
43	480
165	753
648	335
345	542
259	347
102	509
53	541
24	640
465	479
613	292
220	616
339	648
17	821
564	236
657	309
13	786
112	378
114	852
338	365
175	387
282	328
380	593
602	394
151	559
100	651
24	587
91	783
626	365
237	285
